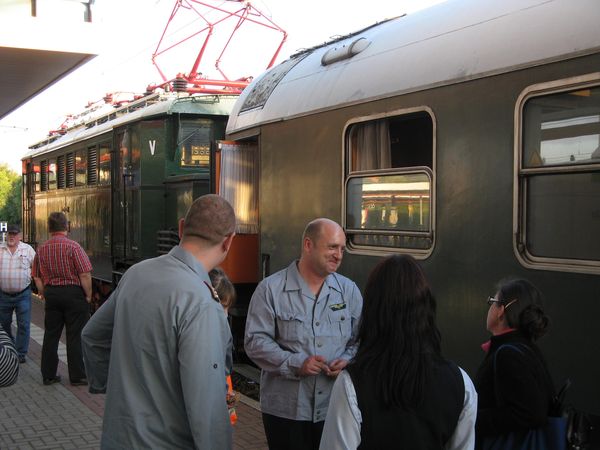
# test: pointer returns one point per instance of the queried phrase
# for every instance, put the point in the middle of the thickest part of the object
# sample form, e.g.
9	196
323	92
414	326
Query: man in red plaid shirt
62	274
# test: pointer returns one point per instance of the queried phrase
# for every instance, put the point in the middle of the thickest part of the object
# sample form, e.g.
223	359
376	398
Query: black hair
523	307
223	286
398	335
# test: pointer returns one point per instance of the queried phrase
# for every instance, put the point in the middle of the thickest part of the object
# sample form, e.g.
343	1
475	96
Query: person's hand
336	366
313	365
88	299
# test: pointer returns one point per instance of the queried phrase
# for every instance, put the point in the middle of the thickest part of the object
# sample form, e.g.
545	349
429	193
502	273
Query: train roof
146	107
451	42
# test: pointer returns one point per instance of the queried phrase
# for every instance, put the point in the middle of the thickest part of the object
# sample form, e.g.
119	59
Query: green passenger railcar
467	135
125	177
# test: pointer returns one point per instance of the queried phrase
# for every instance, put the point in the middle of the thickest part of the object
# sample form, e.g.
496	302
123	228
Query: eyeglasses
492	300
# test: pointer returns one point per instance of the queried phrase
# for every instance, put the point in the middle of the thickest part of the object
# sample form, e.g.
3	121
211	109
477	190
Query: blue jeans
21	304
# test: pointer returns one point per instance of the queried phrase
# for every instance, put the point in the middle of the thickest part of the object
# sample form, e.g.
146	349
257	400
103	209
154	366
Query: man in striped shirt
16	259
62	274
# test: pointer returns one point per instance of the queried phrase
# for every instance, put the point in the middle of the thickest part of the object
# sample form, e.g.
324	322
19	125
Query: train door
123	202
236	179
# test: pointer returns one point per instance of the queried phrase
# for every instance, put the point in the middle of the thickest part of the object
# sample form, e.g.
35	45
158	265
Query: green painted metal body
142	185
474	134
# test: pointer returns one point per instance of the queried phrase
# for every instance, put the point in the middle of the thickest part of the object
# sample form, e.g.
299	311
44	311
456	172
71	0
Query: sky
131	30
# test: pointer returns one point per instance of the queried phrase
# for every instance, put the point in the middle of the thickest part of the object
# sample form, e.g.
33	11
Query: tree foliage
10	195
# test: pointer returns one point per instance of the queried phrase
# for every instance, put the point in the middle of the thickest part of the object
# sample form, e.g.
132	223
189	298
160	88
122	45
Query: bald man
164	376
301	331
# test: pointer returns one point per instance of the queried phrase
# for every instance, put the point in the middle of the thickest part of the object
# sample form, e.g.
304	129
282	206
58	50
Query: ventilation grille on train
92	171
70	170
60	171
44	175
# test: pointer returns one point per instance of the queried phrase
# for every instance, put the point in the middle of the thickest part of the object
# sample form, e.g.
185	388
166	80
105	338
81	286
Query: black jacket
429	426
516	394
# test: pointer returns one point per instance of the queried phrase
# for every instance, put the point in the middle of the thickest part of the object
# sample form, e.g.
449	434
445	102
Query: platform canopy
37	49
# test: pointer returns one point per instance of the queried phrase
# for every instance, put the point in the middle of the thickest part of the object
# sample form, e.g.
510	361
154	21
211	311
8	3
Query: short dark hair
523	307
398	336
210	218
57	221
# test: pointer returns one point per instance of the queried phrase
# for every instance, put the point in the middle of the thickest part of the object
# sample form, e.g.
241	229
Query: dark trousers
65	306
287	434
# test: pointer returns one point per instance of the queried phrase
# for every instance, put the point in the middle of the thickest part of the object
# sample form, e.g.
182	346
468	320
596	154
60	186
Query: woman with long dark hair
398	391
514	386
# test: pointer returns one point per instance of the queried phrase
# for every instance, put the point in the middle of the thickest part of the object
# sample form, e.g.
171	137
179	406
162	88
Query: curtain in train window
389	184
560	167
239	184
370	146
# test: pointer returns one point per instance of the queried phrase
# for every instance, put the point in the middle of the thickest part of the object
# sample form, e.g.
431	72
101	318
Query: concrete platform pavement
61	416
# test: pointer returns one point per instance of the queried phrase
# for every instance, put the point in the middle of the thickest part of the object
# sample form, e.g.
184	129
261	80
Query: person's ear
307	244
180	228
227	242
501	313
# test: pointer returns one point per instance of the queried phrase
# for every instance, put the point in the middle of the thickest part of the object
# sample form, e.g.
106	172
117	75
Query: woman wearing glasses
513	383
399	391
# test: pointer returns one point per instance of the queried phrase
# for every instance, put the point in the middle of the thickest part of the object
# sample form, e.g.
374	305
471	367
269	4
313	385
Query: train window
44	175
70	169
92	165
37	178
80	167
52	173
559	179
389	185
60	171
194	141
396	142
562	129
104	165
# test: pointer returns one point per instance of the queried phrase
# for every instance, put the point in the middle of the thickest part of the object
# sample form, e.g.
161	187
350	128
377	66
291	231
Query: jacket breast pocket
341	323
290	327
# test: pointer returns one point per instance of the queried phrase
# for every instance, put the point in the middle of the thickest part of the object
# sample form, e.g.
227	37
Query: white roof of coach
448	43
146	107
